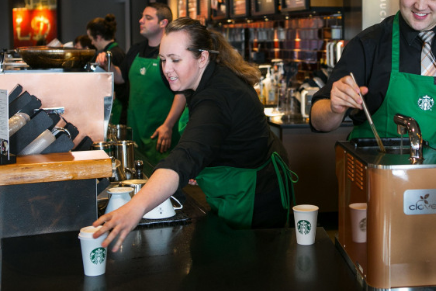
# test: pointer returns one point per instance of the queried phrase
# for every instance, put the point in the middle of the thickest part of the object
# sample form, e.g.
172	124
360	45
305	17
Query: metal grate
355	170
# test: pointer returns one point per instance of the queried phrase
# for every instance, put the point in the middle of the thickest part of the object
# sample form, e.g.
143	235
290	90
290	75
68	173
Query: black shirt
142	50
227	127
369	56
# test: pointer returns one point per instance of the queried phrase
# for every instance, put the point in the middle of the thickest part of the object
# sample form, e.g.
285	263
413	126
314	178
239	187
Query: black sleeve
208	126
357	58
128	61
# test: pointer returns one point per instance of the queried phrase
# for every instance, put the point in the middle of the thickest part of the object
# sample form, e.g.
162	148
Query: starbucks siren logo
362	225
98	256
425	102
304	226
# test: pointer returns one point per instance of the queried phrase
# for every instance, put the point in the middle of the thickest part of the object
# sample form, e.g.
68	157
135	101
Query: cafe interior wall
73	16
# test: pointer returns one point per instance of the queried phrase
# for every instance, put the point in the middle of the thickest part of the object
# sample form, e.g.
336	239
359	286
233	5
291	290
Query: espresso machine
399	189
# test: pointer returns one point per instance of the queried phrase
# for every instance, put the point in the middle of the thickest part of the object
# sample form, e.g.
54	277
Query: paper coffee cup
94	256
305	217
358	222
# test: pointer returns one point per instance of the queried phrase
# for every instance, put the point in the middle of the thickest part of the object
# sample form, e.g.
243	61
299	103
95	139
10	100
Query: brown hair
213	41
106	27
163	11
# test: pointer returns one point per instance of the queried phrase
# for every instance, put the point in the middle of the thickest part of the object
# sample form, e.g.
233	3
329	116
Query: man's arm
164	132
327	114
102	62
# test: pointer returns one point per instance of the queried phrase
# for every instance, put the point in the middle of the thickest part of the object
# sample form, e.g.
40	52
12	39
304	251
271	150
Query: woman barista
227	143
101	31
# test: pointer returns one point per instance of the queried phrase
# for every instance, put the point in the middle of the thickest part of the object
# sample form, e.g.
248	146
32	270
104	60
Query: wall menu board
263	7
239	8
295	5
203	11
192	9
218	9
182	7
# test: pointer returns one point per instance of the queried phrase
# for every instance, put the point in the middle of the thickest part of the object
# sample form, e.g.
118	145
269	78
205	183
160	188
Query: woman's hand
160	186
345	94
163	134
120	221
101	60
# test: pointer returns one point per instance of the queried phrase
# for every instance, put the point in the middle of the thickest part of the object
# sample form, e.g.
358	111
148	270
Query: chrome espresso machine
399	189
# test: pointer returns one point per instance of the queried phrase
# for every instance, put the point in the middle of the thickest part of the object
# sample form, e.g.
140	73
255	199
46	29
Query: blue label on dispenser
419	201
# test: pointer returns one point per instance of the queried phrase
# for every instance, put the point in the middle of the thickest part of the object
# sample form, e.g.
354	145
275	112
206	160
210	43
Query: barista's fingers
343	95
120	240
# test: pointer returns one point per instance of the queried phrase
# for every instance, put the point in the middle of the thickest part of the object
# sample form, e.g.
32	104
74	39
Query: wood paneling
57	167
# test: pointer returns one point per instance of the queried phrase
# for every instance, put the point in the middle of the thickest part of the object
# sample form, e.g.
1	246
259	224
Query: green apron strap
111	46
284	187
396	45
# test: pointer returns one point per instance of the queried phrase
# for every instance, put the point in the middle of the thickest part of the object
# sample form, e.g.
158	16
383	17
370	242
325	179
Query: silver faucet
409	125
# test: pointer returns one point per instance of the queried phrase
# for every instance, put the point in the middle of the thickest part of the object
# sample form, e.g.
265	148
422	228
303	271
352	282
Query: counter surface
285	122
203	254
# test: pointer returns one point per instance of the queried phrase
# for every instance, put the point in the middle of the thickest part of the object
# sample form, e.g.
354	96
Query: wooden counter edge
57	167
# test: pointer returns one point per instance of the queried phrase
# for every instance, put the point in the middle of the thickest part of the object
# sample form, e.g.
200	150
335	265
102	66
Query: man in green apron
386	62
101	32
153	110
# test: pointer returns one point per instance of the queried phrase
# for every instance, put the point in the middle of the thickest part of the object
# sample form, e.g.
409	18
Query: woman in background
83	42
102	31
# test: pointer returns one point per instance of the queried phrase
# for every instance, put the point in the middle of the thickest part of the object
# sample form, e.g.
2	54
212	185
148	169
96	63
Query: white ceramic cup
305	217
94	256
164	210
119	197
358	222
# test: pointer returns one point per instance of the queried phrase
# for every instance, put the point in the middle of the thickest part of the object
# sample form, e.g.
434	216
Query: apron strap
396	44
284	187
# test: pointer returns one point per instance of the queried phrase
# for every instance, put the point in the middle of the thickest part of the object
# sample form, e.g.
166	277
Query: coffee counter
202	254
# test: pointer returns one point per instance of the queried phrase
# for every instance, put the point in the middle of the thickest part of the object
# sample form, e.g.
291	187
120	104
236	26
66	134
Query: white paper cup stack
94	256
305	217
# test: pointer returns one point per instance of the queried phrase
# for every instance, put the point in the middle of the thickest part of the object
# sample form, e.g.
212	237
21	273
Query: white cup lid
120	190
87	232
305	208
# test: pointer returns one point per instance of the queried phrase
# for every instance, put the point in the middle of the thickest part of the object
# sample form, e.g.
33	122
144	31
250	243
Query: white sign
374	11
4	115
419	201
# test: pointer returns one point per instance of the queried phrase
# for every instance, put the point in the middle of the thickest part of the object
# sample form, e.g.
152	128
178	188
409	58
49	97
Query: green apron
150	102
230	191
117	106
408	94
183	121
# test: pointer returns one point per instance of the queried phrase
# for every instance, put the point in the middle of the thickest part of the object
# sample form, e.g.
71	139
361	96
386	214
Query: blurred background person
101	32
83	42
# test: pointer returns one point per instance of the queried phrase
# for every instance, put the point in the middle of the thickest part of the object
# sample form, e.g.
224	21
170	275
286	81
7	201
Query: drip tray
179	219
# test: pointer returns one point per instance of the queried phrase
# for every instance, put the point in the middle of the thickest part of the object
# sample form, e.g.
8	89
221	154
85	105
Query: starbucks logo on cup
98	256
362	225
304	226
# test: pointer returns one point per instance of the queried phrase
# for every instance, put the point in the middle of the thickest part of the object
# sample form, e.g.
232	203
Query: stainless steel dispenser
399	187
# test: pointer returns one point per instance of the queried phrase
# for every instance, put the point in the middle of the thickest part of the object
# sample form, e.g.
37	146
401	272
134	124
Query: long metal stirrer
368	116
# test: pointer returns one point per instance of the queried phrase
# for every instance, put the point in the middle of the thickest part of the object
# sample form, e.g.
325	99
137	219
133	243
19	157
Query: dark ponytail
106	27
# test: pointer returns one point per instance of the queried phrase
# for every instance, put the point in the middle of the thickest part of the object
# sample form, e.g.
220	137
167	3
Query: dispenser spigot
406	124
